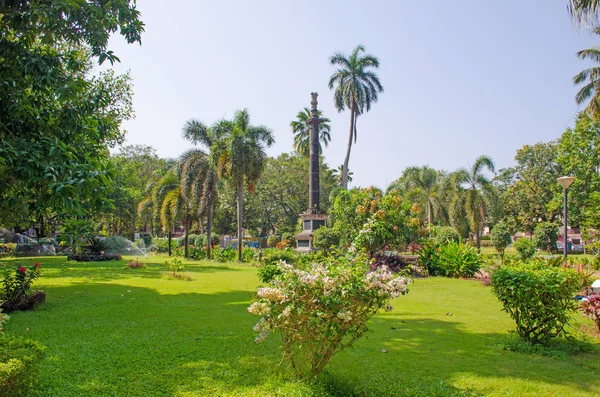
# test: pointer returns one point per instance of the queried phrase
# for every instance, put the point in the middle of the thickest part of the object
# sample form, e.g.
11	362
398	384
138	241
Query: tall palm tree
202	172
162	188
357	88
424	182
475	185
241	158
301	129
590	78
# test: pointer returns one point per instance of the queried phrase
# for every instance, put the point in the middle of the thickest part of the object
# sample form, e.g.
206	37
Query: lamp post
565	182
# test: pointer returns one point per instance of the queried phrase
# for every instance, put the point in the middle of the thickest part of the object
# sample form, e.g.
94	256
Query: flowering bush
16	287
591	308
322	310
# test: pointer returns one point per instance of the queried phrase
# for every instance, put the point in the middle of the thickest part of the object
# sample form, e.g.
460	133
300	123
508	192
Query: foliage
224	254
537	297
94	257
501	238
283	244
545	236
326	237
161	245
394	263
272	240
19	360
371	221
526	248
96	246
451	260
267	272
357	87
301	128
444	234
590	307
175	265
17	284
136	264
7	249
320	311
274	255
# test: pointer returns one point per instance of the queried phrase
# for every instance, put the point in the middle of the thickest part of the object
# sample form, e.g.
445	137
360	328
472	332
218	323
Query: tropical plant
584	12
241	158
501	238
590	78
423	183
301	129
591	308
357	88
475	185
450	260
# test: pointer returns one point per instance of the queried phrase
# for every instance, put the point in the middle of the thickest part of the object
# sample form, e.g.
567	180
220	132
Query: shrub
96	246
94	257
161	245
537	297
268	272
545	236
451	260
591	308
199	241
16	287
181	241
283	244
501	238
19	359
192	239
135	264
175	265
274	255
224	254
248	254
272	240
117	244
444	235
394	263
326	237
197	253
322	310
526	248
8	249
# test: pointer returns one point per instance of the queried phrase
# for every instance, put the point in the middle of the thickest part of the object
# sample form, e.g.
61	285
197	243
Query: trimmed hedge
19	359
94	257
25	302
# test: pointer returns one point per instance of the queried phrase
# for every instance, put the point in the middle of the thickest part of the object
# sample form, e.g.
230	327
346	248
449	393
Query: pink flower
22	270
36	264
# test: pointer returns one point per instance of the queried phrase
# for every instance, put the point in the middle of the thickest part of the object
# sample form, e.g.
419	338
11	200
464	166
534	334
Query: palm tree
241	157
201	172
474	185
590	78
584	12
161	193
356	88
301	129
423	181
339	171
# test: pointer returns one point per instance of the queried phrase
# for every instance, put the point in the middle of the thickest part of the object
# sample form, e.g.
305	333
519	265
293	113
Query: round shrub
326	237
192	239
200	240
545	236
181	241
537	297
501	238
19	359
526	248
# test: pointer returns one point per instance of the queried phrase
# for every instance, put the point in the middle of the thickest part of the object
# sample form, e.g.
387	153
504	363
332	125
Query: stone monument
313	218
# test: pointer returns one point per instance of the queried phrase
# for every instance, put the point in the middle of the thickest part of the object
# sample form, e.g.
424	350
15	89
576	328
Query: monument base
311	221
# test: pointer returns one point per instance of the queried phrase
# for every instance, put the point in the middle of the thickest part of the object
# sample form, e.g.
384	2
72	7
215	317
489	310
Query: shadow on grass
108	339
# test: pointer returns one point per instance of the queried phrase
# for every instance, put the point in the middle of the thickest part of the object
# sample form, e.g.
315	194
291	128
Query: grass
115	331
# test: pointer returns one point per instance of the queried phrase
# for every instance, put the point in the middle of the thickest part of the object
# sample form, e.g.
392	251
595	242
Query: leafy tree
242	158
545	236
301	129
357	88
476	184
56	119
501	238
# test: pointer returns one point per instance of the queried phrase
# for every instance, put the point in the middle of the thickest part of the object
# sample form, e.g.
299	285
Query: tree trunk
347	159
209	222
240	217
169	242
428	214
187	233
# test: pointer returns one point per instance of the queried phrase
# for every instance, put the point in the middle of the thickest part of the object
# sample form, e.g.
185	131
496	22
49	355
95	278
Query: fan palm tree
241	157
202	172
590	78
475	185
301	129
357	88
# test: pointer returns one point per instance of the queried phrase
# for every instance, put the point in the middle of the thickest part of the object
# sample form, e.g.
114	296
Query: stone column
314	188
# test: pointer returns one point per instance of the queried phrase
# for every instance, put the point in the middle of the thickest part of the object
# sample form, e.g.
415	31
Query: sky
461	78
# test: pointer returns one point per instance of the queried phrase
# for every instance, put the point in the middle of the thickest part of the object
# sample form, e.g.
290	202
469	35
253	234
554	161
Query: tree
164	202
56	120
501	238
545	236
204	177
476	185
356	88
584	12
301	129
242	158
590	78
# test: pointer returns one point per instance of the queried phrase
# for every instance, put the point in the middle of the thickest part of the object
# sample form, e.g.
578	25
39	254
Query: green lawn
114	331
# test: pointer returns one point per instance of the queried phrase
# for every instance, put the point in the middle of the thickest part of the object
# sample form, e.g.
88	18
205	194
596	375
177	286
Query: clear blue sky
461	78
